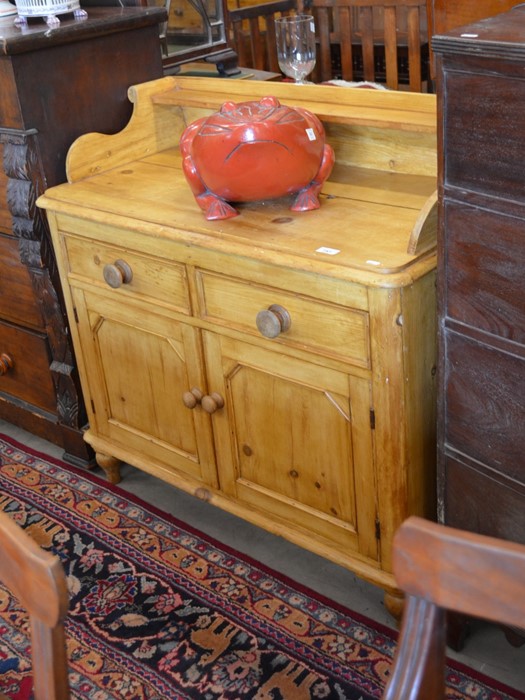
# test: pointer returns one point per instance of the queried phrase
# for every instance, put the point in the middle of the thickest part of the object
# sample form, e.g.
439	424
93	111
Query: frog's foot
214	207
308	198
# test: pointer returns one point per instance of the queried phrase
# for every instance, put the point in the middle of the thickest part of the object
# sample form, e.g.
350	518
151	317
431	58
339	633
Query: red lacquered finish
254	151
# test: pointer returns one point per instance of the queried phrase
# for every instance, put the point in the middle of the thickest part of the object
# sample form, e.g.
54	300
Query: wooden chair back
38	581
372	40
252	33
440	568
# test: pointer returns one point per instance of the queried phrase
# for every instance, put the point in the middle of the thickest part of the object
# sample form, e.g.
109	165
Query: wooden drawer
485	396
484	276
29	379
481	122
17	300
498	131
320	327
152	279
472	489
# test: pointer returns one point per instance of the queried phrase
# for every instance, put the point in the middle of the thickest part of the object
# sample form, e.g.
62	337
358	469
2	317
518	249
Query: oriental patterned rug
161	611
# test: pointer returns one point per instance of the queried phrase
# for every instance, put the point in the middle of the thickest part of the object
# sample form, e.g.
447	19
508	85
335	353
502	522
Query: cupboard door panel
138	366
296	441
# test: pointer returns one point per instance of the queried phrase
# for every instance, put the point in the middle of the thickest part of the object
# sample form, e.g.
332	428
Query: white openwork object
49	9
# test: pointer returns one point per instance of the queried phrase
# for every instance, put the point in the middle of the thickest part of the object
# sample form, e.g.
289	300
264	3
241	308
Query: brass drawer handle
6	363
273	321
118	273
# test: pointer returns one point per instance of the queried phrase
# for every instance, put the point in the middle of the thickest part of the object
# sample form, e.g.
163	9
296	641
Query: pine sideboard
55	84
323	434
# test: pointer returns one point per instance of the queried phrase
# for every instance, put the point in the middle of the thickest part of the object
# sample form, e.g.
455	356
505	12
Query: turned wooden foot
514	636
458	629
110	465
394	602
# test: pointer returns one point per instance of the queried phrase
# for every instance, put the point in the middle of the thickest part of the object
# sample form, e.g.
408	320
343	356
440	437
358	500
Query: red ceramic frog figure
253	151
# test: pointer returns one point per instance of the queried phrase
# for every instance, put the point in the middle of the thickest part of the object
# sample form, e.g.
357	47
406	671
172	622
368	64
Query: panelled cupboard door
138	366
294	441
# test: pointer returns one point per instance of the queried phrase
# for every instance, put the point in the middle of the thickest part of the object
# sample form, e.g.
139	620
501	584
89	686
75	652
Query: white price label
328	251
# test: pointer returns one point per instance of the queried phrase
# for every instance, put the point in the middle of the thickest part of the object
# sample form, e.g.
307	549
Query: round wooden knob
192	398
118	273
5	363
212	402
273	321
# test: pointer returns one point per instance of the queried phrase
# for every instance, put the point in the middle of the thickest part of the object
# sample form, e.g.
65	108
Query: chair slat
390	29
414	48
366	29
271	45
257	45
346	30
324	56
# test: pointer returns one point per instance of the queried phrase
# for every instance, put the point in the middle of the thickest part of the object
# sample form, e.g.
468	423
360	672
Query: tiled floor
486	649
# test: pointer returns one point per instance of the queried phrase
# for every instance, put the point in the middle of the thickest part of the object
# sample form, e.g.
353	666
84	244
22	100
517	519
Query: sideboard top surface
501	36
360	232
107	20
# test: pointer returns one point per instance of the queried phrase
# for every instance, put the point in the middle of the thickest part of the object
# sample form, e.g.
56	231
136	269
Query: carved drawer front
321	327
17	300
142	277
24	367
6	220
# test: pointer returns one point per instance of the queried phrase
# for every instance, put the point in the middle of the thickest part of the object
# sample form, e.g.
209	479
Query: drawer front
484	272
481	119
485	396
471	492
17	300
29	378
152	279
320	327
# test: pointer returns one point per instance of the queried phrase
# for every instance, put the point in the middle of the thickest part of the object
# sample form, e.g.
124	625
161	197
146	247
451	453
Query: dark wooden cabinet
481	275
55	84
443	15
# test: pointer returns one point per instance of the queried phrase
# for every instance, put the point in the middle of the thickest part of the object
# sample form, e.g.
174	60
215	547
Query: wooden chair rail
441	568
36	577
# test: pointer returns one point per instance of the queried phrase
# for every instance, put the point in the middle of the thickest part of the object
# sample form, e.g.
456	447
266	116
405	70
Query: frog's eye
228	107
270	101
